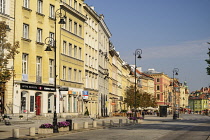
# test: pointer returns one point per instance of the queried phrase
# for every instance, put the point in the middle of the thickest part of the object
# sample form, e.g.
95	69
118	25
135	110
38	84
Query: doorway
38	104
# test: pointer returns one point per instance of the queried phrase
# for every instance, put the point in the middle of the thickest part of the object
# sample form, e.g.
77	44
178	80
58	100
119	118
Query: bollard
120	122
32	131
85	125
75	125
15	133
103	123
111	123
70	126
94	123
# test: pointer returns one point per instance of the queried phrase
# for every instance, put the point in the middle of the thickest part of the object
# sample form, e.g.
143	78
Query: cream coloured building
113	80
91	78
103	69
125	84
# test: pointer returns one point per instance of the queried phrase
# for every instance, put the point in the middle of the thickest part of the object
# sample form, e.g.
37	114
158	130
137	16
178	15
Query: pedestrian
143	113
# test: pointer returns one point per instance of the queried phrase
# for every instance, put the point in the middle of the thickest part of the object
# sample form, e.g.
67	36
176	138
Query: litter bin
175	116
70	126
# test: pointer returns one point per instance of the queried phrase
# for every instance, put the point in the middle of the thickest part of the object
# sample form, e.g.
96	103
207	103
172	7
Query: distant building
162	89
199	100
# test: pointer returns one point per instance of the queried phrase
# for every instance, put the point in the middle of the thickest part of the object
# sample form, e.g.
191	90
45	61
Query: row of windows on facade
2	6
40	31
52	15
26	4
69	75
68	50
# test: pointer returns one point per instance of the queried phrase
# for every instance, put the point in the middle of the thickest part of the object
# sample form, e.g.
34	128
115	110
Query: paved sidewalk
24	125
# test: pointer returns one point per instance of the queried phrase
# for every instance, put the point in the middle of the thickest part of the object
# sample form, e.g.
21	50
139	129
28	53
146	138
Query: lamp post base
55	125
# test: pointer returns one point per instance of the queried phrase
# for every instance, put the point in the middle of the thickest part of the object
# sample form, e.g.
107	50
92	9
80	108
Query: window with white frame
25	63
89	61
39	35
26	3
70	2
69	74
51	62
80	53
75	75
70	49
80	76
39	6
80	7
39	66
75	51
70	25
25	31
64	25
64	47
52	11
75	28
64	72
2	6
75	4
51	37
80	30
86	58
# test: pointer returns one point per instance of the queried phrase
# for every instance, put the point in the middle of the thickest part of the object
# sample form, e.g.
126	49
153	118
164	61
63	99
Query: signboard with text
85	94
37	87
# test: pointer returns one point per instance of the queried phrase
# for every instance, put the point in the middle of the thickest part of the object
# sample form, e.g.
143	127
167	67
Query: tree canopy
143	99
7	52
208	62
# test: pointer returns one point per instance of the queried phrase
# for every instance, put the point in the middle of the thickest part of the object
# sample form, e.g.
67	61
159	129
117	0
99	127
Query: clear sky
171	33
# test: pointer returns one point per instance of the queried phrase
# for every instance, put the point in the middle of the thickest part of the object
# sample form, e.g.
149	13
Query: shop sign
37	87
63	88
85	94
72	92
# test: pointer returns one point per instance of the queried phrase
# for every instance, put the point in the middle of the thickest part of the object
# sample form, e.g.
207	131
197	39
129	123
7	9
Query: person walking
143	113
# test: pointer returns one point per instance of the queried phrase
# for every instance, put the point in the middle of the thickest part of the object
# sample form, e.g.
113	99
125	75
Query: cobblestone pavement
24	125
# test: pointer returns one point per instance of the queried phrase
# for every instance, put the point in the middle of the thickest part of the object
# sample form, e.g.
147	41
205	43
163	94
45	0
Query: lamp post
51	43
137	54
175	115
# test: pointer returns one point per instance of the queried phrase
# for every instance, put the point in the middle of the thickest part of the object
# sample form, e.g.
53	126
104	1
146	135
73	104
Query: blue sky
171	33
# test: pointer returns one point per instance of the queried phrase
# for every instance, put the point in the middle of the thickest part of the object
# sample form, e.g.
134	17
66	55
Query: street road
191	127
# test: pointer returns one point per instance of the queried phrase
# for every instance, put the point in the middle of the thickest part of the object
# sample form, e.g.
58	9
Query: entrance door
38	105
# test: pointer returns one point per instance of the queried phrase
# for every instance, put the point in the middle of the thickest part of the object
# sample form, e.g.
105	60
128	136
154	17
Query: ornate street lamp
175	115
51	43
137	54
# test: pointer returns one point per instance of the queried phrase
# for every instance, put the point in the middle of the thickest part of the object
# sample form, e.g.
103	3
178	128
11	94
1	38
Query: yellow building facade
71	65
36	27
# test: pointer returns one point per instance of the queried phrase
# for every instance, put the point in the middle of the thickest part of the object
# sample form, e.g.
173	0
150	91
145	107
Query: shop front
34	99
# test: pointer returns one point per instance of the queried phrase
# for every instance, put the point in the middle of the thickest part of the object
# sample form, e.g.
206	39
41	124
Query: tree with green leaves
143	99
7	52
208	62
